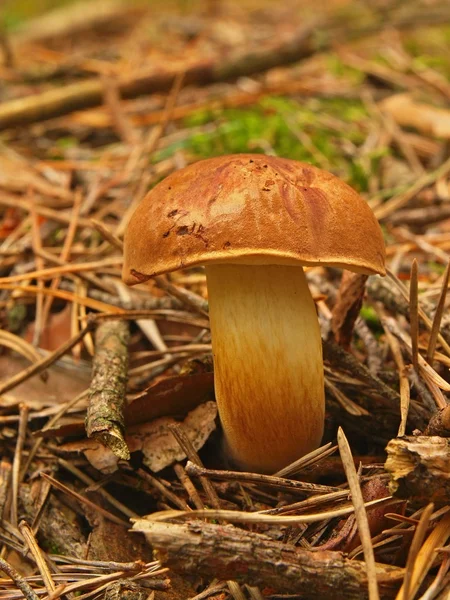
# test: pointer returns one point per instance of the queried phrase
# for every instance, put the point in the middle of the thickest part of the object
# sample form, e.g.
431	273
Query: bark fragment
420	469
347	307
227	552
105	420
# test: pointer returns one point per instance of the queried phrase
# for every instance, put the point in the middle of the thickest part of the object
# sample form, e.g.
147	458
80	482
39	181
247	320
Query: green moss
368	314
67	142
16	317
199	118
359	175
429	48
370	317
438	63
15	12
61	145
337	67
291	128
52	547
436	267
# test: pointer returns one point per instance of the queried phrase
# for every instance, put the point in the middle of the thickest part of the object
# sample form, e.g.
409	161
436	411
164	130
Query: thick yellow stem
268	368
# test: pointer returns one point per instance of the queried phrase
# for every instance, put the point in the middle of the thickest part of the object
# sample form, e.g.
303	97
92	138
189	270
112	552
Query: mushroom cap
251	209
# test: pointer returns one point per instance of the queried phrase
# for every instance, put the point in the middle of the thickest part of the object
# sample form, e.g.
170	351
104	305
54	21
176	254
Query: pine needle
360	513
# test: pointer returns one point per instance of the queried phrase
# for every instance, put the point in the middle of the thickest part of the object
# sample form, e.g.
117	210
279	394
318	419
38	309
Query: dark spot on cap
172	212
170	187
166	234
265	166
251	160
183	230
226	245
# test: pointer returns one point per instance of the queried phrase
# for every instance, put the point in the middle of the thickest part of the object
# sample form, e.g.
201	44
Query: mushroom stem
268	370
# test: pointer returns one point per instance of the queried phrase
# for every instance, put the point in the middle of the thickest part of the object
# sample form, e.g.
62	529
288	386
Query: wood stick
20	581
105	421
89	93
228	552
419	467
270	480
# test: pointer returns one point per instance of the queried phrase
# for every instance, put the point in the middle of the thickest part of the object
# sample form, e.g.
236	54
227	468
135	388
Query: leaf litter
97	107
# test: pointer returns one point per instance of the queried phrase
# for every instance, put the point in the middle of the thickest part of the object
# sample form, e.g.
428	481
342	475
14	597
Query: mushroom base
268	370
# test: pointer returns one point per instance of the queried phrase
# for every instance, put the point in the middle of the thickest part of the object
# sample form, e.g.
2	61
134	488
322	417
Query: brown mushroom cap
251	209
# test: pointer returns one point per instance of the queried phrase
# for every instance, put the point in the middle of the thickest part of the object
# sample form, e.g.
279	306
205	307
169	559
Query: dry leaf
170	396
372	490
63	384
56	332
153	439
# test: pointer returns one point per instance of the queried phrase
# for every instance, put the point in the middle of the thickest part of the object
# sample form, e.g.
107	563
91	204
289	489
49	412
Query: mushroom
254	222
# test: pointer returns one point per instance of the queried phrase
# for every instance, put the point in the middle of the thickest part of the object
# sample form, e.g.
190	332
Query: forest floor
106	390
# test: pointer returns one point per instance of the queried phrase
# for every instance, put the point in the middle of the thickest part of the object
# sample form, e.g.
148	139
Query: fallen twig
227	552
85	94
277	482
43	364
20	582
105	420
